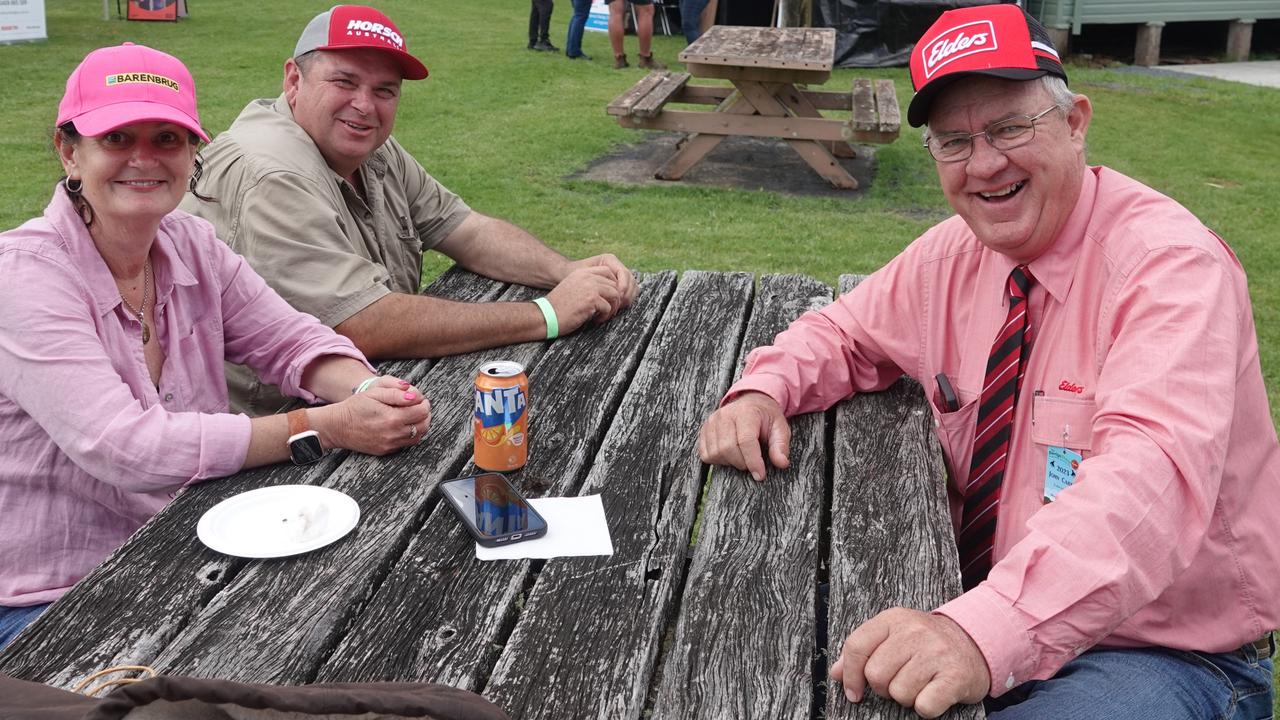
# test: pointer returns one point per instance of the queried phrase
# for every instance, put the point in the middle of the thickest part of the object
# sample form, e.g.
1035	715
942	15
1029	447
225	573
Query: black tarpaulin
880	33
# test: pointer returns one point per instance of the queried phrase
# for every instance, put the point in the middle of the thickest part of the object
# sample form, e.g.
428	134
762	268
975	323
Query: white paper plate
278	521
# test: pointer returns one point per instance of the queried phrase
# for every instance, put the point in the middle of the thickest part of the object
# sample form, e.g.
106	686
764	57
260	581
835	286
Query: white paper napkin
575	526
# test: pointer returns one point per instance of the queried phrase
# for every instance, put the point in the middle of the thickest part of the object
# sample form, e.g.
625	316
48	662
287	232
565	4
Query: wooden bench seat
875	112
647	97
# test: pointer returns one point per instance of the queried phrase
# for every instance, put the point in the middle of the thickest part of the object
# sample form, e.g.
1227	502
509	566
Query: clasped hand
378	420
595	289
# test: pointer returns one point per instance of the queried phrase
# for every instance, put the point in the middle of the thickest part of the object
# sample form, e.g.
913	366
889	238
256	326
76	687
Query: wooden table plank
433	594
892	544
587	641
887	106
623	104
279	620
651	104
779	48
756	557
758	73
120	614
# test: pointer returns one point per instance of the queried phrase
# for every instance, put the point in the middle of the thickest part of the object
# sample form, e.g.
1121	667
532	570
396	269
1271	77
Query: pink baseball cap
117	86
1001	41
355	27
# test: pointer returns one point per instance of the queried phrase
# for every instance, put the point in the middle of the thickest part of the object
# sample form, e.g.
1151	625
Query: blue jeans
14	619
573	43
690	12
1146	683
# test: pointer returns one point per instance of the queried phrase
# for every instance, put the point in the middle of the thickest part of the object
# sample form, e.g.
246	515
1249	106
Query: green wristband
549	314
364	385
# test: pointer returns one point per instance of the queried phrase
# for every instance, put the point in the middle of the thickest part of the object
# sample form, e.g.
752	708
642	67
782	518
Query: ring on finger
413	431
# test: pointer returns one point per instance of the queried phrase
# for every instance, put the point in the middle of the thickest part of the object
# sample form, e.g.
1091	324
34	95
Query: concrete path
1265	74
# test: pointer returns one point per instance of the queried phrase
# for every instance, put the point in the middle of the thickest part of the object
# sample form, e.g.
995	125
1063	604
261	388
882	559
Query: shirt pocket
1063	422
200	379
955	433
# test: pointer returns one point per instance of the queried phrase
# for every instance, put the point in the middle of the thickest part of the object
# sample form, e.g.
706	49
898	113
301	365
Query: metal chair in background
662	17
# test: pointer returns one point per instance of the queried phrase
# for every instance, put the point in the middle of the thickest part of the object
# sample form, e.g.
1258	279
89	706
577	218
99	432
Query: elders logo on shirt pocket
1062	437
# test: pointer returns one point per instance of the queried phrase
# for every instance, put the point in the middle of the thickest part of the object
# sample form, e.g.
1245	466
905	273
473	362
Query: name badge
1060	471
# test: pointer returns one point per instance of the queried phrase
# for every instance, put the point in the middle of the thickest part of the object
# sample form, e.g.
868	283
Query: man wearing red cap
312	189
1090	350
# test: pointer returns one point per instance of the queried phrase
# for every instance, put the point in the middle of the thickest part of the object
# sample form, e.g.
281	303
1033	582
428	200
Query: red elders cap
997	40
354	27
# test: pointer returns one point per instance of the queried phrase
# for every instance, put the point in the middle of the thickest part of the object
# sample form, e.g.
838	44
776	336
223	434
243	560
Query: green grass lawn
503	127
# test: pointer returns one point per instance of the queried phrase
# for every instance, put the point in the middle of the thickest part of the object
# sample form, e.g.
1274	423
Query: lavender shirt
89	447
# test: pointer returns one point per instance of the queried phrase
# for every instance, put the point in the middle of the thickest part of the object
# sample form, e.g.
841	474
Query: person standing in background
644	32
540	25
691	18
577	23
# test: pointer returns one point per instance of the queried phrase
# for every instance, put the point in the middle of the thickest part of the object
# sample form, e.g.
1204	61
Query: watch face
305	447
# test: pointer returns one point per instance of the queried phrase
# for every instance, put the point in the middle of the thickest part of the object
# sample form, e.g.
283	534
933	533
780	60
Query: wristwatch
304	443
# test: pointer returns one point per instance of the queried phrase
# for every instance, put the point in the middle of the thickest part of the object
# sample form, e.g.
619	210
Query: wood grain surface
459	610
572	654
892	544
744	640
714	603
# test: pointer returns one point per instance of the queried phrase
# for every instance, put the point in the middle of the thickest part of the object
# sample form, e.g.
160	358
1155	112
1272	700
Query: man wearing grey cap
335	214
1090	352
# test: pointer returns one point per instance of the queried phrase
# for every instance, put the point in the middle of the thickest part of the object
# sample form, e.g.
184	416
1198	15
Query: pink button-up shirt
1145	362
89	447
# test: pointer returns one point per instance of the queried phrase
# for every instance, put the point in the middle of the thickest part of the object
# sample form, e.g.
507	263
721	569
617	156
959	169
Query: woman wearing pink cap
119	312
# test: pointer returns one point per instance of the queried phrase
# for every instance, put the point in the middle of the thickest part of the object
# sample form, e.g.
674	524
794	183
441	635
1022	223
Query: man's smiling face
1015	201
346	101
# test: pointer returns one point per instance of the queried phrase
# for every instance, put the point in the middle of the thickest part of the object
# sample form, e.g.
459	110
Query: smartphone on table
492	510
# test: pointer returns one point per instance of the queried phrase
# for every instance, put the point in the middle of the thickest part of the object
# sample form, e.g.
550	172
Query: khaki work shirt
326	249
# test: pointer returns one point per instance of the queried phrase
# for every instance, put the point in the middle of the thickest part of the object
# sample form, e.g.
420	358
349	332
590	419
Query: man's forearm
412	326
502	251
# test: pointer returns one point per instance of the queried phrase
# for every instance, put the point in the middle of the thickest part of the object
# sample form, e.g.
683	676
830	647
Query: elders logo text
958	42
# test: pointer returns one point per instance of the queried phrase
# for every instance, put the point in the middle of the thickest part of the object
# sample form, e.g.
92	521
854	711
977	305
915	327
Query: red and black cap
996	40
356	27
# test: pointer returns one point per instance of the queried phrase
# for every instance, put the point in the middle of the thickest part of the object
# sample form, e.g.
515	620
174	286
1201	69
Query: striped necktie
1005	367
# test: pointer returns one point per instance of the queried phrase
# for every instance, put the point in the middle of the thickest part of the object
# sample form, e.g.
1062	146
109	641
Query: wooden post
1239	38
1061	38
1147	51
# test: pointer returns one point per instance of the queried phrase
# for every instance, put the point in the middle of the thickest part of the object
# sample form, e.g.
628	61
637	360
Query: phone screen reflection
498	510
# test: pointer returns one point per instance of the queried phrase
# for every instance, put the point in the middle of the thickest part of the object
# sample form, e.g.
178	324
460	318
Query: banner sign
152	9
22	20
598	20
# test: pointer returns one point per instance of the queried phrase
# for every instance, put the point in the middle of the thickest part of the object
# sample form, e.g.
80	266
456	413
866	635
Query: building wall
1074	13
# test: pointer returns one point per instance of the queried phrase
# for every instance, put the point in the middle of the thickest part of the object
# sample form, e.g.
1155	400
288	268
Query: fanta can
501	419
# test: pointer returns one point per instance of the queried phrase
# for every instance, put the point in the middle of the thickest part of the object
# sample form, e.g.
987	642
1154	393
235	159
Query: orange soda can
501	419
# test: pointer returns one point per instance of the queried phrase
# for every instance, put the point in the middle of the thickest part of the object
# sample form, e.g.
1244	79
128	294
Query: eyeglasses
1004	135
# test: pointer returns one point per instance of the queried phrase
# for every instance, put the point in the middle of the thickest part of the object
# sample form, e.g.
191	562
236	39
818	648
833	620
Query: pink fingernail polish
410	395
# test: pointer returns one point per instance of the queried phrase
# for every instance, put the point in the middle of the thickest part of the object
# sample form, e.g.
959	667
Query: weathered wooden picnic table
714	604
764	65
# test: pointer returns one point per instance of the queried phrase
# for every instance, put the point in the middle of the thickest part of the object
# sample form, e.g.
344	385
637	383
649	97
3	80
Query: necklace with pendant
141	313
